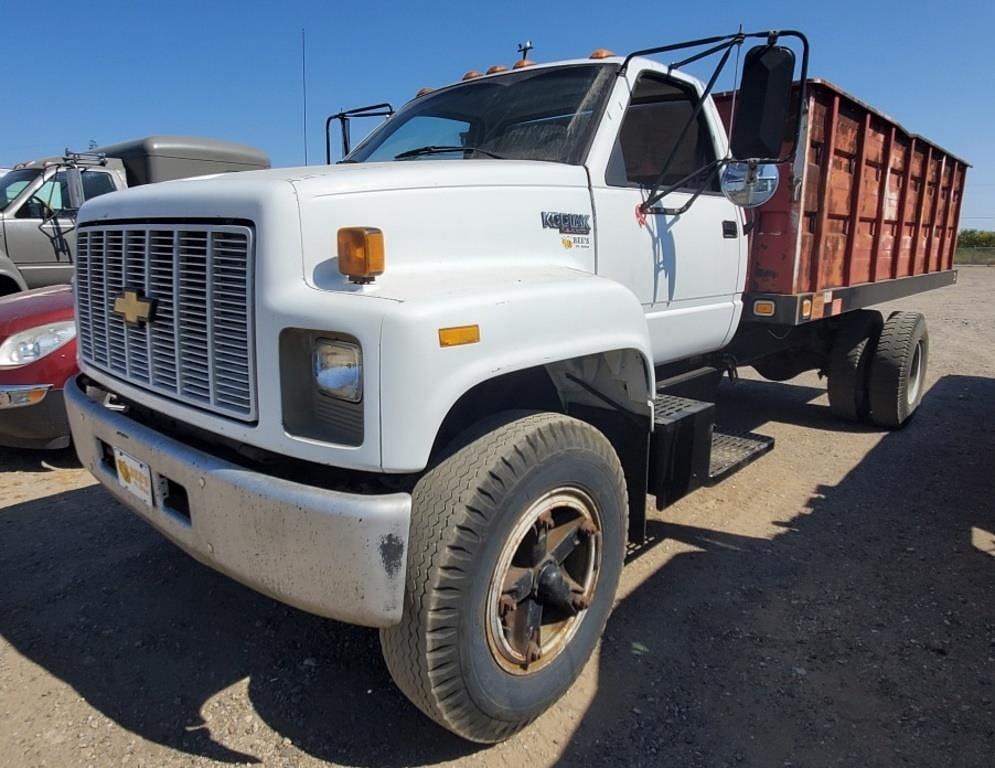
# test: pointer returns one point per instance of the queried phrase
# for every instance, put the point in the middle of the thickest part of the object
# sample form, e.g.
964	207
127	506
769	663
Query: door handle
729	229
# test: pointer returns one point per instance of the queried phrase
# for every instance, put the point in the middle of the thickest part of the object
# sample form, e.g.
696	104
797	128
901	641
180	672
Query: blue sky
111	71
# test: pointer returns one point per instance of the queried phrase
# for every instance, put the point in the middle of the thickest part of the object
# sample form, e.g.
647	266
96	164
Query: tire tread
889	368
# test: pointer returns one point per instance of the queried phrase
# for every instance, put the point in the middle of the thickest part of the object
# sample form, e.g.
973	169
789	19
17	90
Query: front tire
516	547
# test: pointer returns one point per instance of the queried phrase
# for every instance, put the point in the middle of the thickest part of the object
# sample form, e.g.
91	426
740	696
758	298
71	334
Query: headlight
33	344
338	369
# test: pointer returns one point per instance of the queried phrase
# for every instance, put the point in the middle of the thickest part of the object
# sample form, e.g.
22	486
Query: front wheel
517	542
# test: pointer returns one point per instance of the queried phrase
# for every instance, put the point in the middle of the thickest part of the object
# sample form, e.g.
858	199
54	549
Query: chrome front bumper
340	555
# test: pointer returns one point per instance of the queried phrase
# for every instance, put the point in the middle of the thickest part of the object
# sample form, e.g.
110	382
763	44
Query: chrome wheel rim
544	580
915	375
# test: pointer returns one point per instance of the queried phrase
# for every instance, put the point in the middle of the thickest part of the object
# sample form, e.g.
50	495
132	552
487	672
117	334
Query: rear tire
849	365
898	369
477	519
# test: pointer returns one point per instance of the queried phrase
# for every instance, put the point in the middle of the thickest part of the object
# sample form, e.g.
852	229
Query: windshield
538	114
13	183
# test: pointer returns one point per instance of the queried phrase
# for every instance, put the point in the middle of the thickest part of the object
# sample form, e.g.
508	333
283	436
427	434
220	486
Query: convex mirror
749	185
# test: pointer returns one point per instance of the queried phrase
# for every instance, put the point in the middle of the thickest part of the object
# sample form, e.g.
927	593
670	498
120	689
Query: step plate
732	452
670	408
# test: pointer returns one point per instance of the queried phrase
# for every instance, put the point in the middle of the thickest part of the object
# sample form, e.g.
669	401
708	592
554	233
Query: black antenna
304	89
524	48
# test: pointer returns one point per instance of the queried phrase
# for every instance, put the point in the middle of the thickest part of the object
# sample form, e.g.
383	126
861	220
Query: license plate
134	476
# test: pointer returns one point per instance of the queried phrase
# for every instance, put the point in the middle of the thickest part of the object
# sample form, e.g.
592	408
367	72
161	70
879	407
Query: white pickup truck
429	389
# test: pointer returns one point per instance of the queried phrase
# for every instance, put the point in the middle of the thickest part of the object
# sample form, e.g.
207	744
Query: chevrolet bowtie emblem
134	310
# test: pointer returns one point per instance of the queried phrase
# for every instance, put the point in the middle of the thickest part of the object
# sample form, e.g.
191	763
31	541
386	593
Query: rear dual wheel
877	367
898	370
517	542
850	365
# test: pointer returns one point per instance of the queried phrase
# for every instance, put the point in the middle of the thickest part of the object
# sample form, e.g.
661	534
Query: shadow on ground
860	635
748	404
863	635
24	460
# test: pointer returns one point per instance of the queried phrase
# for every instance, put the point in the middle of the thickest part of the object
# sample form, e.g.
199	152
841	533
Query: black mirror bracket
373	110
724	44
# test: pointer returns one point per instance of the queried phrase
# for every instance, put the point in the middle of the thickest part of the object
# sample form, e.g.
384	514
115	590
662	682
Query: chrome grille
198	347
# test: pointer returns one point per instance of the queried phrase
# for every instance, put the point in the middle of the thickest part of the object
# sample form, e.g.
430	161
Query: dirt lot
832	604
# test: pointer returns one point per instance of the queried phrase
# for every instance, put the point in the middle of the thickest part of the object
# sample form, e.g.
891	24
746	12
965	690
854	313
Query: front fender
526	319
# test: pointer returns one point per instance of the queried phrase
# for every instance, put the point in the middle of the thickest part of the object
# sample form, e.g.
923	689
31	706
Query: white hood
447	215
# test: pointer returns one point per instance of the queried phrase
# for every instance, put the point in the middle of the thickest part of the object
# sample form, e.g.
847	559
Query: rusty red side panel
866	202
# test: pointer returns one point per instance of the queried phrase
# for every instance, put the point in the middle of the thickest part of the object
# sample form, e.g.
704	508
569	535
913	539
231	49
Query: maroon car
37	355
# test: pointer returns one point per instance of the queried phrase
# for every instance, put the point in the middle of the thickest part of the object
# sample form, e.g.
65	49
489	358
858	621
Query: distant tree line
976	238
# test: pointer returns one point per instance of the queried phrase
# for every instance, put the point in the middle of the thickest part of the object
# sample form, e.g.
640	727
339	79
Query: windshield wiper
437	150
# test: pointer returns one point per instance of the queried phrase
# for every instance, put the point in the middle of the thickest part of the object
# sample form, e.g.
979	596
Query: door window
52	197
651	131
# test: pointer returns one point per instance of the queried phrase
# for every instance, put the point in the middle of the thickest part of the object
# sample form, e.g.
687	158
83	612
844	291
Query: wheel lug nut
545	521
587	528
581	602
506	605
533	652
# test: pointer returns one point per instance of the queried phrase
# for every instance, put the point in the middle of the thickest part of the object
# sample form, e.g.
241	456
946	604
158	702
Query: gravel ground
832	604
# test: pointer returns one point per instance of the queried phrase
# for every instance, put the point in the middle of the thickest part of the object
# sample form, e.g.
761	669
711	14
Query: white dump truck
430	388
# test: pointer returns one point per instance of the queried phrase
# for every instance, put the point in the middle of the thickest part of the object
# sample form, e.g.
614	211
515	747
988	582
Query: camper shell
165	158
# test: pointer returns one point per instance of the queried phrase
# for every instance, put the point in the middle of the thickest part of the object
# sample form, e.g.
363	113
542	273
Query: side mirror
749	185
74	185
762	102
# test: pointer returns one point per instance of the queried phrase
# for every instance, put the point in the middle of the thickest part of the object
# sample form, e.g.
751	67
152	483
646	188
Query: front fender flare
523	324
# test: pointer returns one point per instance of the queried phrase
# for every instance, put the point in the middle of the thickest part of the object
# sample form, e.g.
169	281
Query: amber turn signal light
764	308
460	334
602	53
361	256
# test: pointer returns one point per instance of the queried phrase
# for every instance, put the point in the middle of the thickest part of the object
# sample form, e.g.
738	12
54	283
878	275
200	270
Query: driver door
684	269
40	235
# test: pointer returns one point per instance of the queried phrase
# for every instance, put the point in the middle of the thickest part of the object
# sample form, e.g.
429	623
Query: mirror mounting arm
712	168
720	43
374	110
655	195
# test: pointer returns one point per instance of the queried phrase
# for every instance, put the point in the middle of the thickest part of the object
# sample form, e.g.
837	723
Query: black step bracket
679	447
733	451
